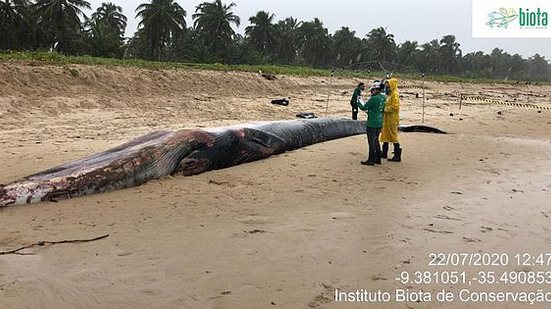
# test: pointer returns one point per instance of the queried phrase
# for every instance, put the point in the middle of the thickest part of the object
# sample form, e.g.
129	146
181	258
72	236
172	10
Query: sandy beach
284	232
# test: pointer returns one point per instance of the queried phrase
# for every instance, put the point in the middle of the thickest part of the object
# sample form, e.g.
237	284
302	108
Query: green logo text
529	18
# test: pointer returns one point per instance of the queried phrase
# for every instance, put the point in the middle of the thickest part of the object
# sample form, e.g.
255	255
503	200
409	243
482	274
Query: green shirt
355	96
374	108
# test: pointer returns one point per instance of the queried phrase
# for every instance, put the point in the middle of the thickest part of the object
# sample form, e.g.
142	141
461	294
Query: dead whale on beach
187	152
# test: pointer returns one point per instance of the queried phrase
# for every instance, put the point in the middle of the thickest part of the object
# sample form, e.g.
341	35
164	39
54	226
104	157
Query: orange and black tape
481	99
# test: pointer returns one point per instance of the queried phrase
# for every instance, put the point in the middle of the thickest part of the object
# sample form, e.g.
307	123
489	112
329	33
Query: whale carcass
187	152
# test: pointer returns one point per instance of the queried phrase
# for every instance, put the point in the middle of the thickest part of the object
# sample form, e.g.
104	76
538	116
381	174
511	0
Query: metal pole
329	92
423	86
461	95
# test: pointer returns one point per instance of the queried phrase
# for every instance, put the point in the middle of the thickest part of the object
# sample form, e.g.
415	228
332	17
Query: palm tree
538	68
518	66
162	22
381	44
407	53
14	23
111	15
213	21
103	41
61	20
105	31
261	32
429	57
287	34
347	47
475	63
191	48
315	43
449	53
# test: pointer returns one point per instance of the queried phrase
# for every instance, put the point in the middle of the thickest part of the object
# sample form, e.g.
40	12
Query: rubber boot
397	154
378	156
369	161
384	154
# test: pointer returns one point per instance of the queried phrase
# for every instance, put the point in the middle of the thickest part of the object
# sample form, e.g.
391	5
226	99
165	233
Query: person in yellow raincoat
391	119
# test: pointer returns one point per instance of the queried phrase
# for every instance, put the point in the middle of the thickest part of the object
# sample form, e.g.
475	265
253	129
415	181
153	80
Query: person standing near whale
391	120
374	108
354	99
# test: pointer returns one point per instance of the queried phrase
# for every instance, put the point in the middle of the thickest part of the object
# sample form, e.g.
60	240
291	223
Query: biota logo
527	18
501	18
511	18
535	18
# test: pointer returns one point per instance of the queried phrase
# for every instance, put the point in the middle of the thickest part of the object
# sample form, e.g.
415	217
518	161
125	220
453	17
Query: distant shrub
74	72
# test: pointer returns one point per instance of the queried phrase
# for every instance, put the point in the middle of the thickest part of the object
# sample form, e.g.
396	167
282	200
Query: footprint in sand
323	297
437	231
253	219
319	300
151	292
378	277
342	215
444	217
431	229
256	231
486	229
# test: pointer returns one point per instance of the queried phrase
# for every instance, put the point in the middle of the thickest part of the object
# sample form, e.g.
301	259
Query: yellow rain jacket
391	118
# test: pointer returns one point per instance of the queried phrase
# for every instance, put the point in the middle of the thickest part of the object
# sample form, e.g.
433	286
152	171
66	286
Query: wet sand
279	233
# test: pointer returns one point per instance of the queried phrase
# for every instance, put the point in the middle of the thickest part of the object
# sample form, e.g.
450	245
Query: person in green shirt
354	100
374	108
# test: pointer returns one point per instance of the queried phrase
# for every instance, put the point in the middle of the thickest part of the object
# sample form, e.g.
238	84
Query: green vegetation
67	61
62	60
287	46
74	72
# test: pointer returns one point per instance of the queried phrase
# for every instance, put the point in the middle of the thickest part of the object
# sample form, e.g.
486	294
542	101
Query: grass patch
66	61
74	72
58	59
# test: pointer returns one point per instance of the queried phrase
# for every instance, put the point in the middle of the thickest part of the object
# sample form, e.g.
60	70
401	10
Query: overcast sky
419	20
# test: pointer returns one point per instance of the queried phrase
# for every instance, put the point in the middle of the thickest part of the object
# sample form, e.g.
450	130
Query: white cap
375	85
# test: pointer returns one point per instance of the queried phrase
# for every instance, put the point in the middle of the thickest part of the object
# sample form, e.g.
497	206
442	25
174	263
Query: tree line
164	35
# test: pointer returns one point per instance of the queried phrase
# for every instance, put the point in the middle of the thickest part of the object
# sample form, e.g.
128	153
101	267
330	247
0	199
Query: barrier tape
417	87
527	105
480	99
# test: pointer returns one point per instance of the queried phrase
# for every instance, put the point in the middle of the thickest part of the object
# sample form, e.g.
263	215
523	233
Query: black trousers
373	142
354	113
